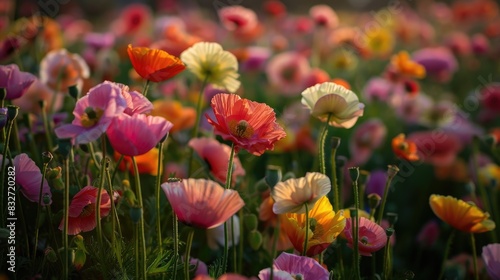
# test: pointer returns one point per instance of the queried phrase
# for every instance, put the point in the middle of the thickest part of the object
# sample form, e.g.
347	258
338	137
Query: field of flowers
361	145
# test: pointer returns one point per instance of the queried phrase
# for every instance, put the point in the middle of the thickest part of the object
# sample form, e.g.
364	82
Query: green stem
355	229
334	197
176	243
114	220
116	167
384	200
99	196
386	258
227	186
446	252
235	259
322	139
66	219
159	240
39	209
146	88
15	136
46	127
141	219
304	250
197	123
474	256
189	242
25	229
275	244
137	255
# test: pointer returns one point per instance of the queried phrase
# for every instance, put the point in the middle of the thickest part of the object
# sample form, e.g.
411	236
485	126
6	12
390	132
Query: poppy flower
439	149
237	18
372	237
378	89
210	63
287	72
296	266
291	195
147	163
82	215
428	234
379	41
15	82
216	155
61	69
404	149
491	258
325	225
324	15
402	65
154	65
202	203
29	102
136	135
136	102
461	215
93	114
274	8
249	125
366	138
133	19
334	102
439	63
181	117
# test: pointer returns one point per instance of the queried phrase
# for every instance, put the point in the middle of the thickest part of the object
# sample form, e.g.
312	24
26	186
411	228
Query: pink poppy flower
238	18
249	125
99	40
136	135
324	15
256	59
295	265
480	44
93	114
136	102
490	97
29	177
459	43
202	203
316	76
15	82
378	89
372	237
428	234
216	155
439	62
287	72
437	148
491	258
82	216
201	267
60	69
366	138
133	18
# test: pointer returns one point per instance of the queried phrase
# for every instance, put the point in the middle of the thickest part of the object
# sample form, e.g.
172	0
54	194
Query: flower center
364	240
88	210
241	129
298	276
404	146
91	116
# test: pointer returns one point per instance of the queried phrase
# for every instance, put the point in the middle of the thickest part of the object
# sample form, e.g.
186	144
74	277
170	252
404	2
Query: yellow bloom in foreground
460	214
324	226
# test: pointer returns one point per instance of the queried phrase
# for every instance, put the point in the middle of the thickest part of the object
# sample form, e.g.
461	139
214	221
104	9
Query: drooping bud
354	173
255	239
73	91
250	221
47	157
374	200
273	175
79	259
335	142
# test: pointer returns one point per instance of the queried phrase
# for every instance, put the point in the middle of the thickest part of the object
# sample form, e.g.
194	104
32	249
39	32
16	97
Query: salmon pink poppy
287	72
61	69
202	203
136	135
93	114
15	82
249	125
154	65
82	215
372	237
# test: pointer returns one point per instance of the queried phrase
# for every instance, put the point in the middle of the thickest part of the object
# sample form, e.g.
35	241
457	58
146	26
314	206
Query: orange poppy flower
402	64
173	111
154	65
460	214
146	163
403	148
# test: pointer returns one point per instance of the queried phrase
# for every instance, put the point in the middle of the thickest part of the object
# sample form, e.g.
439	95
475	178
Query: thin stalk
384	200
66	218
322	139
227	186
39	208
146	88
189	242
114	220
386	258
235	259
99	196
25	229
304	250
275	245
474	256
335	191
159	240
240	244
46	127
15	136
116	167
176	243
355	229
141	219
446	252
197	123
137	258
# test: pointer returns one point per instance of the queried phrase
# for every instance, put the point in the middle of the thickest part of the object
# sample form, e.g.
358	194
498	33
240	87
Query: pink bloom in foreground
136	135
249	125
295	266
15	82
93	114
202	203
82	215
136	102
287	72
238	18
216	155
491	258
372	237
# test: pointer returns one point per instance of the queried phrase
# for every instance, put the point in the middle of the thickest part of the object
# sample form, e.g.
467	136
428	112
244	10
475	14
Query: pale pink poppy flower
439	63
216	155
410	108
491	258
372	237
93	114
202	203
333	103
29	178
287	72
238	18
60	69
296	266
15	82
29	102
136	135
367	137
82	215
324	16
439	114
99	40
378	89
291	195
136	102
428	234
215	236
439	148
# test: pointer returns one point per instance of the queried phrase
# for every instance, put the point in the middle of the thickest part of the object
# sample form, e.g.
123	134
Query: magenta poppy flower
490	97
491	258
287	72
324	15
15	82
216	155
439	63
202	203
299	267
256	59
372	237
238	18
437	148
367	137
136	102
93	114
135	135
82	215
29	178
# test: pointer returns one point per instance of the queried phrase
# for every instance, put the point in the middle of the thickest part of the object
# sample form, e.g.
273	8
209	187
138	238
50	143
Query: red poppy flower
154	65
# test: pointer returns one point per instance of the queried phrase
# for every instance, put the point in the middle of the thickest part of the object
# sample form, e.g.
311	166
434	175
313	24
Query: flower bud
392	170
73	91
288	175
12	112
78	240
261	185
51	255
363	177
53	173
250	221
389	232
135	214
79	259
392	218
255	239
46	199
335	142
354	173
126	184
47	157
374	200
273	175
130	198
